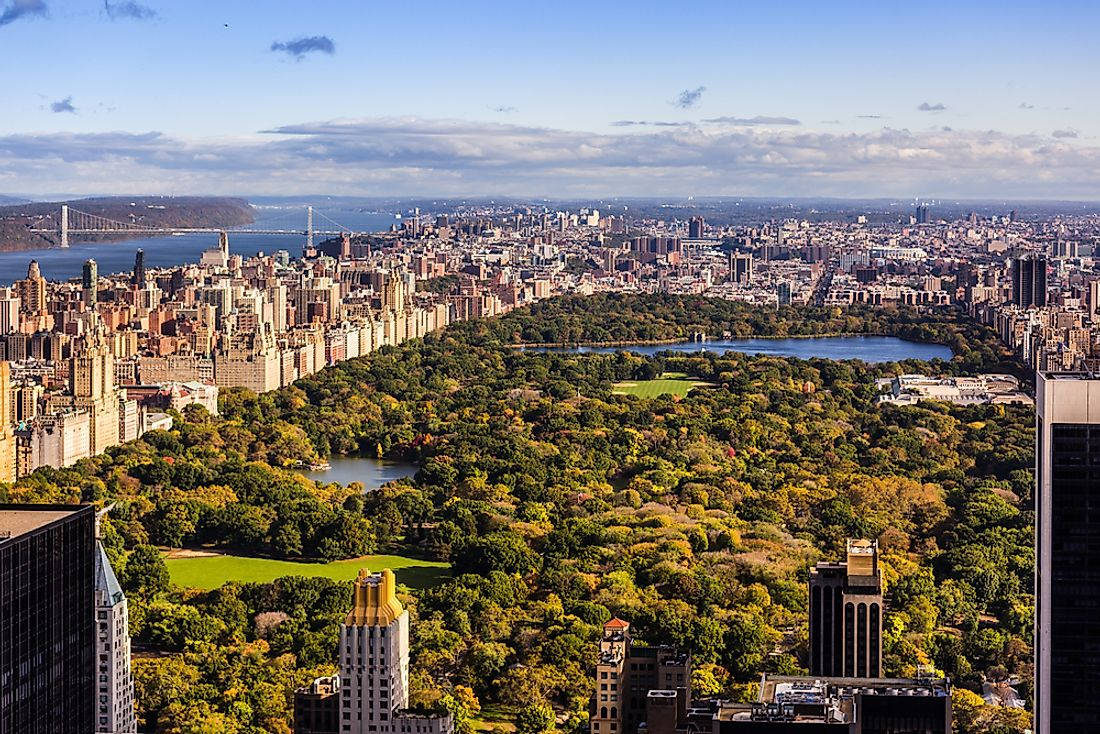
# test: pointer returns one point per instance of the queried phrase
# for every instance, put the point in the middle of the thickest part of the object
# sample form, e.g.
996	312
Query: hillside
159	211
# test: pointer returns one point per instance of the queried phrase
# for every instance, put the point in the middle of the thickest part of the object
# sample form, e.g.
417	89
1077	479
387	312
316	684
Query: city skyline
977	101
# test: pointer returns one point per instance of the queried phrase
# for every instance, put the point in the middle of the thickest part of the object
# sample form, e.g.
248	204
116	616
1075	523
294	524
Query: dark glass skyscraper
1029	281
846	615
47	625
1067	553
139	269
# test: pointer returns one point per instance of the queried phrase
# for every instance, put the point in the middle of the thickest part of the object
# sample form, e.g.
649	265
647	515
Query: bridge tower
309	228
64	225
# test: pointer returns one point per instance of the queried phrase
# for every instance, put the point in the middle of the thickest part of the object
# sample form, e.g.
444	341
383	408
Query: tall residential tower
374	663
114	681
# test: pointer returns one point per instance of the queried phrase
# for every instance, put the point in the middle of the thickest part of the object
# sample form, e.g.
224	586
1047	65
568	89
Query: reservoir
371	473
867	348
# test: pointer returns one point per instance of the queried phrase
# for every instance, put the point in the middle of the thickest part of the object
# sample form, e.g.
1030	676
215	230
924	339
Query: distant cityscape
93	362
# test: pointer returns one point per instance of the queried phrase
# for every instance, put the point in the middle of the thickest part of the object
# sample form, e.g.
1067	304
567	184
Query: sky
964	99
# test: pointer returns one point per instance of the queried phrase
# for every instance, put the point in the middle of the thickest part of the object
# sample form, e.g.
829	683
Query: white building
374	664
114	681
58	440
990	388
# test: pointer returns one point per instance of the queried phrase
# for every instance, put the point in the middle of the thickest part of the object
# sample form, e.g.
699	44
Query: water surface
171	251
371	473
867	348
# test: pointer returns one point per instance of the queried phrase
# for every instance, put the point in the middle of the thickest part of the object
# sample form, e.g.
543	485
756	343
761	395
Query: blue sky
782	98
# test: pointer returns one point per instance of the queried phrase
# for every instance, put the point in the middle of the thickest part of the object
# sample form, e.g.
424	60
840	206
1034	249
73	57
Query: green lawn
675	383
210	572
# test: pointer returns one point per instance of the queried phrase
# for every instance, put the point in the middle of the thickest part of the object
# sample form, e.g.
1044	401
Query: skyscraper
783	292
741	267
374	663
846	614
695	228
1067	555
32	291
138	279
921	214
114	681
92	388
89	280
47	635
1029	281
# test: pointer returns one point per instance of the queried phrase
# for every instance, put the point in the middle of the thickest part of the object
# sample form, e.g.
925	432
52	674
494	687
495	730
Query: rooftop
17	520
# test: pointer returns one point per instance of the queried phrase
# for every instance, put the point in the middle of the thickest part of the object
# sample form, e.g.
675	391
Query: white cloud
401	156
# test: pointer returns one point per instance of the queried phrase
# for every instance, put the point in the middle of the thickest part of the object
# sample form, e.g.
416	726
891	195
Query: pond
371	472
866	348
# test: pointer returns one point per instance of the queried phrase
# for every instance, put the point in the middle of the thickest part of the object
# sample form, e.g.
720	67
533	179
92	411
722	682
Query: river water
867	348
165	252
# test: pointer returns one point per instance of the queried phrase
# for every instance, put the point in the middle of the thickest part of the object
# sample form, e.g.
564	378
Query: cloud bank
927	107
299	47
414	156
758	120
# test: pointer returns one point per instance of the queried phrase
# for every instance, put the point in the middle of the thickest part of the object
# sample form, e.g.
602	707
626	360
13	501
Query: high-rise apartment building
846	614
114	681
7	435
635	683
47	634
741	267
783	292
374	663
9	310
1029	281
92	388
32	291
696	227
89	281
1067	553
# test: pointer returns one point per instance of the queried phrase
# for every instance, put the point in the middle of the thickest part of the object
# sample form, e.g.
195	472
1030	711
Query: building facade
846	614
635	683
47	634
114	680
374	664
317	707
1067	553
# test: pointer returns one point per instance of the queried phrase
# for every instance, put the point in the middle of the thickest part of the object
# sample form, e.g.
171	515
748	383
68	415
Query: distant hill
6	200
156	211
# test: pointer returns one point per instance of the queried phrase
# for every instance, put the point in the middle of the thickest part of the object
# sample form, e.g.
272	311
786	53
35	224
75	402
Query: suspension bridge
75	222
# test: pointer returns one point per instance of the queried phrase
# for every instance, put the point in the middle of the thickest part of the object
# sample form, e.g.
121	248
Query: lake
867	348
167	252
372	473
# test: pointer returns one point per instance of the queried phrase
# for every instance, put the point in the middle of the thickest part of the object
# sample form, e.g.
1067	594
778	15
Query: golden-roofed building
374	666
374	599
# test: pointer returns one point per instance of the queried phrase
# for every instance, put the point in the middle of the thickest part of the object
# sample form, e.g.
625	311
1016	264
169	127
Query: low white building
990	388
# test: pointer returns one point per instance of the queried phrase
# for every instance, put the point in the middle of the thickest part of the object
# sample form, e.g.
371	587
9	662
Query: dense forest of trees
559	504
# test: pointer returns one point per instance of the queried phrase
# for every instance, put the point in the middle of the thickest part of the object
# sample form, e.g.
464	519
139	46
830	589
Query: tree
145	573
534	718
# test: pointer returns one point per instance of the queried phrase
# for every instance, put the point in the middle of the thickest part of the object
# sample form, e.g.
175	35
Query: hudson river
163	252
